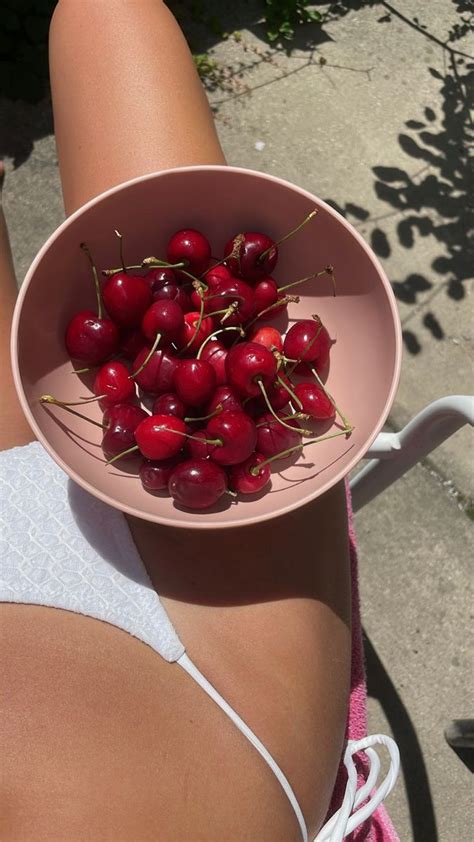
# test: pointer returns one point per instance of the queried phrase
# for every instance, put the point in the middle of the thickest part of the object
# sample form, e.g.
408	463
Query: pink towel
378	828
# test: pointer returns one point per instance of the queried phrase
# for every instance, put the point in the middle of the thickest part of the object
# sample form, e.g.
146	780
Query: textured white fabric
62	547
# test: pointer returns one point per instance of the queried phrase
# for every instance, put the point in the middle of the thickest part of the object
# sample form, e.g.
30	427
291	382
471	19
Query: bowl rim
177	522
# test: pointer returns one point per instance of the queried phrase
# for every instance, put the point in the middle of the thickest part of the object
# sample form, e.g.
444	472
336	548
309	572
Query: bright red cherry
189	246
165	317
113	380
188	333
215	275
309	341
243	481
270	337
254	255
91	339
247	364
158	375
265	294
238	435
227	397
315	401
195	381
121	421
197	483
160	436
215	353
127	297
169	404
155	476
272	437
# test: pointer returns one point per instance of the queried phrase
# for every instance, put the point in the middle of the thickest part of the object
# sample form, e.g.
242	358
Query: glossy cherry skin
299	344
158	278
127	297
190	246
165	317
215	354
269	337
272	438
315	401
197	446
195	382
91	340
265	294
243	481
113	380
187	333
121	422
158	375
247	263
171	292
169	404
238	292
197	483
131	342
246	364
160	436
238	435
155	476
215	275
276	394
227	397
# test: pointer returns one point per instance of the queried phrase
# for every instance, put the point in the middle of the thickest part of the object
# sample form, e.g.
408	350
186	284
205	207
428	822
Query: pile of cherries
184	338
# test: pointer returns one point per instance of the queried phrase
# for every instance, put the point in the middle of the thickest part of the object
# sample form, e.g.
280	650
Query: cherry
198	446
164	317
169	404
158	375
215	354
270	337
250	367
127	297
215	275
160	277
197	483
238	435
90	338
160	436
226	397
272	437
171	292
278	396
155	476
131	342
191	247
195	381
265	294
254	255
113	381
315	401
245	482
120	423
308	341
193	334
237	291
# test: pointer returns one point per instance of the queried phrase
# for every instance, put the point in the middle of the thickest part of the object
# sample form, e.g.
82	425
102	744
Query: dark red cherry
215	275
248	363
171	292
189	246
243	481
234	291
215	353
197	483
195	382
265	294
131	342
91	340
165	317
227	397
272	437
158	375
169	404
238	435
198	446
255	255
160	436
155	476
158	278
121	422
113	380
315	401
309	341
127	297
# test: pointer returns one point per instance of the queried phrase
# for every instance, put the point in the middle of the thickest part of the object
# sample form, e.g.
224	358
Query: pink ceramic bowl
220	201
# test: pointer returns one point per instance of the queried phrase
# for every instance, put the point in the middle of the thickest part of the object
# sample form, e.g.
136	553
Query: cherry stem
124	268
308	347
328	270
50	400
96	280
290	392
197	327
255	470
226	312
282	302
79	370
262	256
216	333
297	430
217	263
123	453
162	264
219	408
147	358
78	403
300	416
155	261
343	418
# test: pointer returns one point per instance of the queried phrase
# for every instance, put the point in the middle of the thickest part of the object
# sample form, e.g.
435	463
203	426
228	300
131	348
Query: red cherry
158	278
189	246
126	298
245	482
238	292
154	476
113	380
169	404
248	363
272	437
158	375
191	320
227	398
198	447
238	435
270	337
195	381
197	483
215	354
315	401
309	341
171	292
276	394
215	275
250	262
160	436
121	422
131	342
90	339
265	294
165	317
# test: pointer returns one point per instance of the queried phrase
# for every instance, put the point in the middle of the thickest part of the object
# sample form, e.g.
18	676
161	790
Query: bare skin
101	739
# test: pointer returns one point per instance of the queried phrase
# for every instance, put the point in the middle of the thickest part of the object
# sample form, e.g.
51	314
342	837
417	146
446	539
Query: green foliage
205	65
282	16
